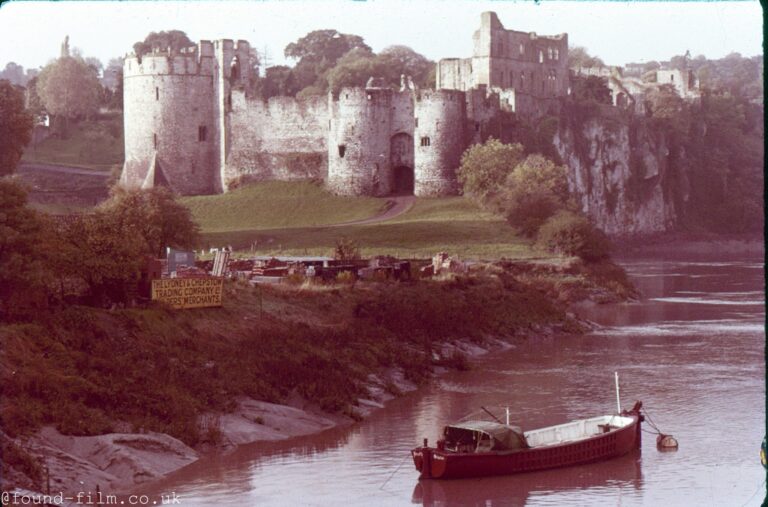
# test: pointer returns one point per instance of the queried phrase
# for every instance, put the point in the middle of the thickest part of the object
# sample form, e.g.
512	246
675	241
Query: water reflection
623	473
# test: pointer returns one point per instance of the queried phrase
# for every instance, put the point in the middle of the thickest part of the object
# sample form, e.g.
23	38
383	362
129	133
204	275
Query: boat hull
435	463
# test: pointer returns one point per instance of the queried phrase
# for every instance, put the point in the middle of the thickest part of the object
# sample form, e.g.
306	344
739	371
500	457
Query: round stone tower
439	141
359	142
170	126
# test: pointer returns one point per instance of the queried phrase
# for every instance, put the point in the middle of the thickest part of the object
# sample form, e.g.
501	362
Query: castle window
425	141
416	120
557	54
154	140
157	93
672	77
541	56
346	95
522	49
549	53
229	100
342	150
202	133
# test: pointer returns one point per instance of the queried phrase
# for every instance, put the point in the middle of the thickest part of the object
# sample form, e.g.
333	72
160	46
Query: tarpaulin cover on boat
504	437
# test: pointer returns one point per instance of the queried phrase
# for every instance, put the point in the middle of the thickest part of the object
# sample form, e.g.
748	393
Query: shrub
567	233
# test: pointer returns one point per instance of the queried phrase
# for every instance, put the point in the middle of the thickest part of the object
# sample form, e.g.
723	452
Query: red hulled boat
484	448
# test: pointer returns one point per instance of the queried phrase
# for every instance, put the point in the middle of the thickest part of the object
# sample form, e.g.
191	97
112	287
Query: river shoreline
689	244
461	316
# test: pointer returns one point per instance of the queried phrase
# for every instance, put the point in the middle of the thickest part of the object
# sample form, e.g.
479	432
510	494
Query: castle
191	126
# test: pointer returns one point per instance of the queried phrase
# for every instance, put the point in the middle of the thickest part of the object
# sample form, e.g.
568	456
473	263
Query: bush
567	233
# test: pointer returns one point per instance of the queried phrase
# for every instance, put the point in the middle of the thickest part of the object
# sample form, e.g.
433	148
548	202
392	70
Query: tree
69	88
484	170
96	249
23	269
155	215
14	73
533	192
278	80
317	52
591	88
578	57
174	39
402	60
568	233
15	126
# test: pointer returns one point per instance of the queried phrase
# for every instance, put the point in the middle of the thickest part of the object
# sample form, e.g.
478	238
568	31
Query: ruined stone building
191	125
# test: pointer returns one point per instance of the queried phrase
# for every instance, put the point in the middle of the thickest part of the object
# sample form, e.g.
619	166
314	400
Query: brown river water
692	349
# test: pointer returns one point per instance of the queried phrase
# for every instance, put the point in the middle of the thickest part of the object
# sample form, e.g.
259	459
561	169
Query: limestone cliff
619	171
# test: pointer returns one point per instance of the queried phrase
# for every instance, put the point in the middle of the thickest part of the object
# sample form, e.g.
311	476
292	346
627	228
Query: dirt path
396	206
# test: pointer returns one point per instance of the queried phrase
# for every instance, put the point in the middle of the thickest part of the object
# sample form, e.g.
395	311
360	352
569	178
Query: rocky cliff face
620	173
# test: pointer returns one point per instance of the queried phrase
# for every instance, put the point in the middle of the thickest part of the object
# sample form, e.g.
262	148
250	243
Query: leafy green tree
155	215
568	233
174	39
591	88
317	52
402	60
101	253
69	88
533	192
15	126
278	80
23	247
484	170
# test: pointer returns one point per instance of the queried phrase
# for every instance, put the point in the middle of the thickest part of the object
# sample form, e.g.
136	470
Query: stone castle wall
279	139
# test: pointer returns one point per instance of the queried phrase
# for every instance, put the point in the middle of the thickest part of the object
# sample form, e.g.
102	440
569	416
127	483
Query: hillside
281	218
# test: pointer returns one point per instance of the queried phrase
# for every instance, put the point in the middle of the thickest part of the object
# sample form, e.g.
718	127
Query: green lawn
278	205
279	218
93	144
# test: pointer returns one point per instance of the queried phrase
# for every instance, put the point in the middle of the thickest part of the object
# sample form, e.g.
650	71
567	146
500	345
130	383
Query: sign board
188	292
178	258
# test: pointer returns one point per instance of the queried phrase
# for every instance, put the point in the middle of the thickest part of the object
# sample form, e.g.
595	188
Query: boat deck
575	430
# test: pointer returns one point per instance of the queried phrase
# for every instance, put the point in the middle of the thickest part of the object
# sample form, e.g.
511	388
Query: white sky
618	32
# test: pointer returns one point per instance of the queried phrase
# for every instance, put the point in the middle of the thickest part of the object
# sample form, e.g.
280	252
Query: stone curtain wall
280	139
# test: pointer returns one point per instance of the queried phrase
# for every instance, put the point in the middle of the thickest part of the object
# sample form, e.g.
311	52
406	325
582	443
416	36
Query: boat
479	448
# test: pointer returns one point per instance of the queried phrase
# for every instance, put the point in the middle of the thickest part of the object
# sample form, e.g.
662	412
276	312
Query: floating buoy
666	442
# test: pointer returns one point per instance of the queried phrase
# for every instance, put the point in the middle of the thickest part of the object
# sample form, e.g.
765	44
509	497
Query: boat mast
618	400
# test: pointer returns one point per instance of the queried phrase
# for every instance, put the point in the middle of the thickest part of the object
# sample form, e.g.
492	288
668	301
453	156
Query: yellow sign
188	292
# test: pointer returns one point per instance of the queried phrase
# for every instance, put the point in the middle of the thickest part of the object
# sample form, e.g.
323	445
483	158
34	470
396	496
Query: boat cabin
483	436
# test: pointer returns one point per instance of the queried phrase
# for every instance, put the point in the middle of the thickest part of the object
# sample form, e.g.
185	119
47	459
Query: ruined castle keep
190	124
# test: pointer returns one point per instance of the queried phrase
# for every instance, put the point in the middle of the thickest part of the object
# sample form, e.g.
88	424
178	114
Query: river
692	349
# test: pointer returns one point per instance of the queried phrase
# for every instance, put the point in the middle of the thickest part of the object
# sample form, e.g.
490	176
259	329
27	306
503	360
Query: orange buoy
666	442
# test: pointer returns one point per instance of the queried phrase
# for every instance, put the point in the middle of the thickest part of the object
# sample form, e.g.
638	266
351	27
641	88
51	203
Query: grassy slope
278	204
284	218
93	144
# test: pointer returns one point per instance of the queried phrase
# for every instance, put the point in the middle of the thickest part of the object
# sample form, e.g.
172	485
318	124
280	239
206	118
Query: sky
618	32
